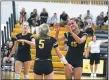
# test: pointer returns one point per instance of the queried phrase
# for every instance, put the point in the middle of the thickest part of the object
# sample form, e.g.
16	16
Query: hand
86	55
69	28
8	59
71	24
57	27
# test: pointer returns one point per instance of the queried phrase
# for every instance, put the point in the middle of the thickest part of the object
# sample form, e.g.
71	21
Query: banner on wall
86	66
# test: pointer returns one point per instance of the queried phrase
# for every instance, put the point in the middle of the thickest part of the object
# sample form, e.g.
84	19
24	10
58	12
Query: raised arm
57	29
78	39
103	41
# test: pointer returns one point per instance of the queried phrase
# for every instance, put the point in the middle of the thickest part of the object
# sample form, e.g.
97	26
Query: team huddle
43	62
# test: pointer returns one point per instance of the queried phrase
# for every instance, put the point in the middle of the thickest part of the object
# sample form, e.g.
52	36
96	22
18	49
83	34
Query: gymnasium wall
6	10
73	10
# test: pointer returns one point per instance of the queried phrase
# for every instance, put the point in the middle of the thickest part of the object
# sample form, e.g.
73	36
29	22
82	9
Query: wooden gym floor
9	75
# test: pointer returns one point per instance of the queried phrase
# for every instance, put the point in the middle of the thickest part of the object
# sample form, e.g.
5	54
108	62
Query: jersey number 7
41	44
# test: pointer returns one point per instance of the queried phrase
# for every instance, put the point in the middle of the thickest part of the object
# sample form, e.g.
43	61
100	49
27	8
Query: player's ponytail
44	31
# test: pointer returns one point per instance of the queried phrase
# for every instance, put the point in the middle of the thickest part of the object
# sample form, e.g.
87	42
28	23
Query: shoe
94	74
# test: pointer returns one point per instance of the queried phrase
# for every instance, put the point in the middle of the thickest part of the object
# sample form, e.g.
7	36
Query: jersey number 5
41	44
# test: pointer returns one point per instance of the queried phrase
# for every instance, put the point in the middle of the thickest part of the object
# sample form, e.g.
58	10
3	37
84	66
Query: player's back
44	47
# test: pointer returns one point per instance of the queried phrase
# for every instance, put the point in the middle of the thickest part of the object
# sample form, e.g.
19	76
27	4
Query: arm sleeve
47	15
31	36
84	34
55	43
66	35
16	37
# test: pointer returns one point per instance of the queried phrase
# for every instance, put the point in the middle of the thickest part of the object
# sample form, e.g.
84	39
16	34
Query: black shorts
94	57
23	58
75	63
43	67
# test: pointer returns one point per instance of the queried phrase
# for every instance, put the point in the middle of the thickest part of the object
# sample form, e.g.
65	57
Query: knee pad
17	76
26	77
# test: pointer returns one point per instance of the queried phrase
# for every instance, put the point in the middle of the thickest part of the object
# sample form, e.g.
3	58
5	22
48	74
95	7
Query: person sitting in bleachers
88	16
106	20
100	20
80	24
63	18
89	28
22	16
43	16
34	21
80	17
53	20
7	51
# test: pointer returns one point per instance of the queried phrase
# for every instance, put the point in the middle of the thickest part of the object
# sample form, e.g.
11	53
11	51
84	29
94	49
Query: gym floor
10	75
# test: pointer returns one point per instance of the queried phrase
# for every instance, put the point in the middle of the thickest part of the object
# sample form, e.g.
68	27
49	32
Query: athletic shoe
94	74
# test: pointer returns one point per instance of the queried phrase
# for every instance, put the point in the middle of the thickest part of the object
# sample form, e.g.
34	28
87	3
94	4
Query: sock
12	67
26	77
17	76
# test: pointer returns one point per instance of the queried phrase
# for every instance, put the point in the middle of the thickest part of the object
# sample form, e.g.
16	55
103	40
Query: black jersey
22	46
75	51
44	47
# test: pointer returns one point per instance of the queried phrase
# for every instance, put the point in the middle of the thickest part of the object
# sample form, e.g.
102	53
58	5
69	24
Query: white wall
6	10
71	9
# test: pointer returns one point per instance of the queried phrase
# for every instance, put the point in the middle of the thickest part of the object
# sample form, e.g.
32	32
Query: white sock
17	76
12	67
26	77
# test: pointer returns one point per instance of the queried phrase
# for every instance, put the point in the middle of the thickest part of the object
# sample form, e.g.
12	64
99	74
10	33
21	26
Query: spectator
34	20
22	16
106	20
53	19
88	16
63	18
36	23
89	28
80	17
43	16
100	20
32	17
80	23
7	51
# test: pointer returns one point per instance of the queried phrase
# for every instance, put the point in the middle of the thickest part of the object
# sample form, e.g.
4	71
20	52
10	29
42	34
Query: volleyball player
43	62
23	56
76	42
94	50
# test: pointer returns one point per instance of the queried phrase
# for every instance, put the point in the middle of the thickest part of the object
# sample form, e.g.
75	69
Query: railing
86	2
6	34
10	24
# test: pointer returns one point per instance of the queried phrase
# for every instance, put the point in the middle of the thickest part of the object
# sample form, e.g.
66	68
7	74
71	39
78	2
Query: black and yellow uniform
74	55
23	53
43	63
